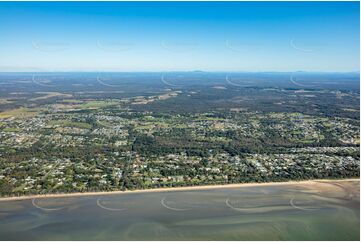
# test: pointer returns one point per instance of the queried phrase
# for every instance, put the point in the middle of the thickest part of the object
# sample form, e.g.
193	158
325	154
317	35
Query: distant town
60	142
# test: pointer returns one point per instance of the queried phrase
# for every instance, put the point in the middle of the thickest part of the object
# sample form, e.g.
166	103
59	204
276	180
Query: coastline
173	189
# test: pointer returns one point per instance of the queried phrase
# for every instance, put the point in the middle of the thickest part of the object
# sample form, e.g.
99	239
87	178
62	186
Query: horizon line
168	71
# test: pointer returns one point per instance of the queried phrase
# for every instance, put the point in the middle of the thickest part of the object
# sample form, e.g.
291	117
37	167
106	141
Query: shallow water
324	211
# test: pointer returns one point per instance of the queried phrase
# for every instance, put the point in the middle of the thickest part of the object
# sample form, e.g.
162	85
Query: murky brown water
322	211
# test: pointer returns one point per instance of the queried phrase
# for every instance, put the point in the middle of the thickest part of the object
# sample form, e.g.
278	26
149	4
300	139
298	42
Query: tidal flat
317	210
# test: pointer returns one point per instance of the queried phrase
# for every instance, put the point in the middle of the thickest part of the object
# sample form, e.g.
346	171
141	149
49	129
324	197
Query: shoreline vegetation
173	189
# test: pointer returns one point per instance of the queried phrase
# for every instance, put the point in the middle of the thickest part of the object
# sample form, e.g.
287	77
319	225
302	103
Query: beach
174	189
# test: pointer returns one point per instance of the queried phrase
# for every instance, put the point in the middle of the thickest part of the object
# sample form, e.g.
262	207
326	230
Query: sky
180	36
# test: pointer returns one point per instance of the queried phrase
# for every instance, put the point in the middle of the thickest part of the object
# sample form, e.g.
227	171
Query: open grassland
19	113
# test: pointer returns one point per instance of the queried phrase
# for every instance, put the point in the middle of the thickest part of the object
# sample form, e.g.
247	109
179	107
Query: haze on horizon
179	36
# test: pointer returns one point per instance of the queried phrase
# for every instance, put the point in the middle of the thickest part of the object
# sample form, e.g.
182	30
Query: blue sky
179	36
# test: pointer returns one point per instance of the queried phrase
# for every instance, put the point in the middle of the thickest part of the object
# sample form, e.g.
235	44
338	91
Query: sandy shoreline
190	188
